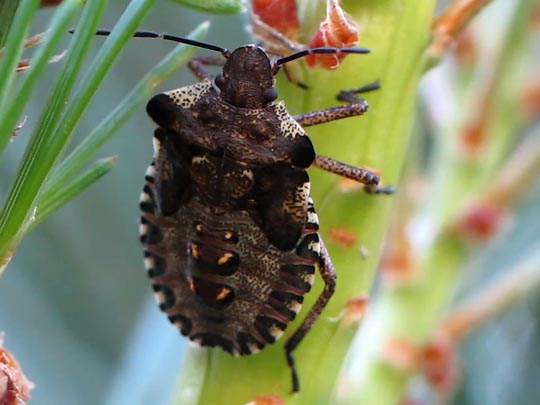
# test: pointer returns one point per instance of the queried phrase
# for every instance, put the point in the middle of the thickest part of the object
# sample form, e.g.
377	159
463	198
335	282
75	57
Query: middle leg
364	176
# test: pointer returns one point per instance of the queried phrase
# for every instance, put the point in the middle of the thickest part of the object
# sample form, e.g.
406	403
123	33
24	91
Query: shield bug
229	229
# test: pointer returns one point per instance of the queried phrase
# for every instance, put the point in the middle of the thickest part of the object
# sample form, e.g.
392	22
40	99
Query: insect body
228	226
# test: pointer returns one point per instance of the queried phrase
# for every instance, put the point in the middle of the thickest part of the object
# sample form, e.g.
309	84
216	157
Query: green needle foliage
34	195
213	6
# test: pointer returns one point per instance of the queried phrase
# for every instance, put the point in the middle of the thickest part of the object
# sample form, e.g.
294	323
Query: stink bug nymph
228	226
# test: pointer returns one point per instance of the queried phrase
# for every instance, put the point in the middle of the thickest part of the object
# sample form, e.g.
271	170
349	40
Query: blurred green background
75	302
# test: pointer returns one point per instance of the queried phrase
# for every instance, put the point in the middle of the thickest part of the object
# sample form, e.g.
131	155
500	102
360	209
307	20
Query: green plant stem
413	312
398	36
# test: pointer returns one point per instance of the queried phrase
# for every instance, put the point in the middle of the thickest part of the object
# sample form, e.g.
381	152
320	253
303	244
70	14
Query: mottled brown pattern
252	288
245	135
228	226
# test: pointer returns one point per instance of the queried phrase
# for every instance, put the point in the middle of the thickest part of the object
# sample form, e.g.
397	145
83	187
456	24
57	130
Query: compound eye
219	80
270	95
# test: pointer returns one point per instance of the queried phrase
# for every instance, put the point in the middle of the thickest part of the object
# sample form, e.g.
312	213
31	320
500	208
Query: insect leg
356	106
292	78
359	174
351	95
326	268
199	64
331	114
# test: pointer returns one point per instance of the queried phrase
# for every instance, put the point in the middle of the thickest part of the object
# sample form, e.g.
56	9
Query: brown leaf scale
473	138
354	310
401	353
343	237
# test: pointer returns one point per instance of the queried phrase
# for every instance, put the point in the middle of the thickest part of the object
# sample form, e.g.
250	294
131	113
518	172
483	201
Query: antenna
324	50
168	37
225	52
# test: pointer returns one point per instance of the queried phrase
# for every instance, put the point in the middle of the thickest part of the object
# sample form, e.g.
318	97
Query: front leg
199	64
358	174
355	106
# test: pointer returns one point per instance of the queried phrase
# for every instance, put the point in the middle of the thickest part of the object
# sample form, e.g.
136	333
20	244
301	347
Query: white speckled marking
309	278
149	262
197	160
160	297
143	229
186	96
198	341
253	348
312	217
315	246
151	171
157	146
247	173
303	191
144	197
295	306
276	332
288	126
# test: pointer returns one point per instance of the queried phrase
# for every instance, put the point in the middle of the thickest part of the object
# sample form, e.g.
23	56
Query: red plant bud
481	220
337	30
14	387
278	14
438	363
